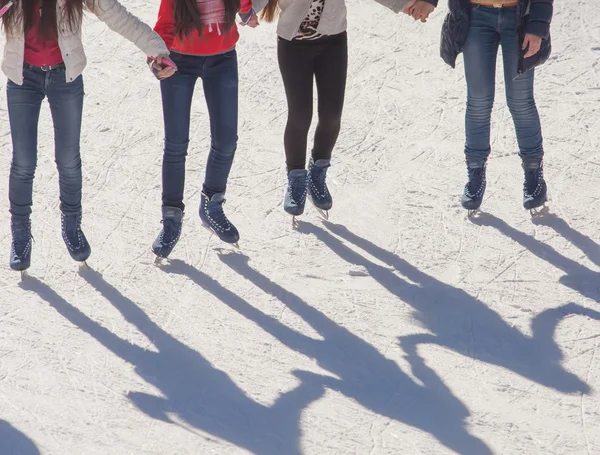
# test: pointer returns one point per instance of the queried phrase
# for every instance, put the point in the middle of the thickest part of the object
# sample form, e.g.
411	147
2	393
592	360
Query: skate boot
214	219
20	247
534	186
172	221
475	187
317	186
75	240
295	195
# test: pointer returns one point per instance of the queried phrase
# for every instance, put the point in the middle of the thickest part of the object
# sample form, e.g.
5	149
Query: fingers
532	44
533	49
408	8
165	73
421	11
253	22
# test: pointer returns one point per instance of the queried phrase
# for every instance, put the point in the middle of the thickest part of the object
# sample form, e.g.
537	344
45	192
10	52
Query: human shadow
577	276
460	322
361	372
13	442
192	389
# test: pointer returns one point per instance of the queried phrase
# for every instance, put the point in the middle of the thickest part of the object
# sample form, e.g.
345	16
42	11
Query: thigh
331	70
24	104
480	53
66	106
297	66
220	82
177	93
518	86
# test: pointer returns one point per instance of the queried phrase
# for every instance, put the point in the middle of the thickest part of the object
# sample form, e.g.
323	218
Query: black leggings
326	60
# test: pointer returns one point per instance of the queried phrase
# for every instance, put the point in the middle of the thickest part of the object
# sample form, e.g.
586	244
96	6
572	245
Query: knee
24	158
224	147
480	105
23	169
331	121
299	121
521	107
176	148
69	161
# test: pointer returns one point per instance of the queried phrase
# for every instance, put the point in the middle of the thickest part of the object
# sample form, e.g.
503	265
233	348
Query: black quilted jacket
534	16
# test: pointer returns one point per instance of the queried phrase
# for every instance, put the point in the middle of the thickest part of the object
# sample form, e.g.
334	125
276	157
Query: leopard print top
310	24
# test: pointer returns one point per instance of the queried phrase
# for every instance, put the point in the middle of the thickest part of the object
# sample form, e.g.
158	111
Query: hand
162	66
407	8
253	21
421	10
532	43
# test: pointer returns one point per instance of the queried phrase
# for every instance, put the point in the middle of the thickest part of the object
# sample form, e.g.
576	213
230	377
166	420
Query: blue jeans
489	28
66	106
219	74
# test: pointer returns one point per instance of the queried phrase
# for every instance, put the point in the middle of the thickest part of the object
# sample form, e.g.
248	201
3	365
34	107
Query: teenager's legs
177	92
220	81
66	106
519	92
296	63
331	68
24	104
480	53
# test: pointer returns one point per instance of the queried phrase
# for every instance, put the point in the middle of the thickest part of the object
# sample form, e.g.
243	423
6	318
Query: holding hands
418	9
162	66
250	19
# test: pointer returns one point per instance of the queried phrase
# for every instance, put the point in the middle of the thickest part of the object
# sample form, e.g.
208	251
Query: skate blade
323	213
295	223
473	213
539	212
23	274
235	244
159	261
83	265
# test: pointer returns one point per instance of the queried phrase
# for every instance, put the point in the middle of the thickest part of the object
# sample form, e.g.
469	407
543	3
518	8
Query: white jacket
333	17
110	12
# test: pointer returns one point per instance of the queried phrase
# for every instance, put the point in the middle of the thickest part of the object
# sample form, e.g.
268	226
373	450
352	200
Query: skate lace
533	183
317	178
297	189
21	237
216	215
476	180
72	234
170	230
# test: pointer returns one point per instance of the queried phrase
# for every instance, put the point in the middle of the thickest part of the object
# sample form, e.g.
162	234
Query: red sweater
214	40
41	51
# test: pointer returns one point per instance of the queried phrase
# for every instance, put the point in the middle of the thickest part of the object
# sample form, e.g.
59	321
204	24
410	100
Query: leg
177	92
296	63
480	52
220	81
519	93
66	106
331	68
24	103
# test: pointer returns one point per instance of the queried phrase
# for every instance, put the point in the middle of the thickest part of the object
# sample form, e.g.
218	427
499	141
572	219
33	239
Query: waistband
494	4
45	68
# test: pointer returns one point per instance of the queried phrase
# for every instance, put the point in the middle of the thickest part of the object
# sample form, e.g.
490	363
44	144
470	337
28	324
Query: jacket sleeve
540	16
258	5
395	5
245	6
433	2
118	19
165	25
